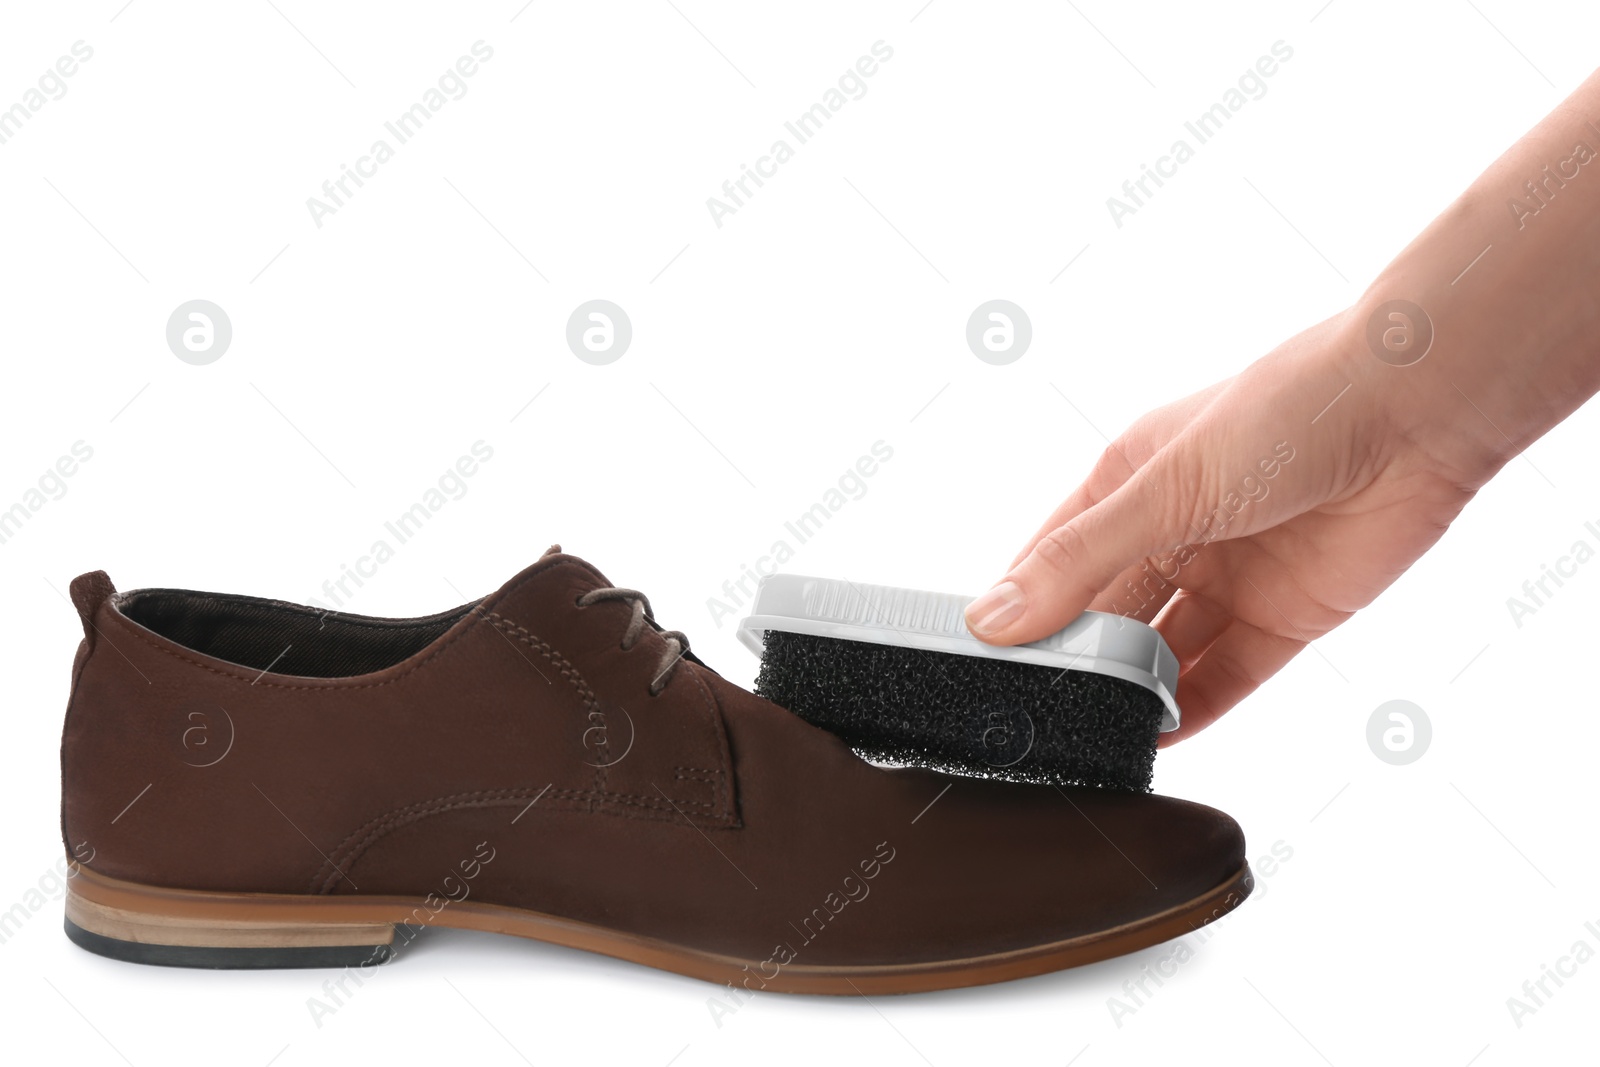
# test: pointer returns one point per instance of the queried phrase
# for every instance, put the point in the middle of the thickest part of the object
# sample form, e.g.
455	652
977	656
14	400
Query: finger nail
995	610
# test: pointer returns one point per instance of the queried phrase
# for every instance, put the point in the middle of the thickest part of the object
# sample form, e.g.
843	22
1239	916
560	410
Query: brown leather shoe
249	783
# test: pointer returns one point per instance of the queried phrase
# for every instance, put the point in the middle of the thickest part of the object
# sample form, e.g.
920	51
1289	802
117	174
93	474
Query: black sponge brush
897	676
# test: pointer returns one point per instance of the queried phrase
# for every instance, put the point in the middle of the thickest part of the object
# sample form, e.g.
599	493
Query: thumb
1069	566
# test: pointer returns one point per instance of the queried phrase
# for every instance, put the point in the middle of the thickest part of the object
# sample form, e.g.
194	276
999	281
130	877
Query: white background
825	315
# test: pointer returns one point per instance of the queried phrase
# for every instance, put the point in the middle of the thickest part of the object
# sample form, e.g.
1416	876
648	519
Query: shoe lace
677	642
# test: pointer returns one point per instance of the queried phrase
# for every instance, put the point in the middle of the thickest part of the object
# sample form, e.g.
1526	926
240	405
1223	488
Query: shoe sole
185	928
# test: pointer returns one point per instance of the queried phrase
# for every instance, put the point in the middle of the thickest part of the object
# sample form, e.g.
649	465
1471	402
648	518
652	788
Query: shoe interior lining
287	638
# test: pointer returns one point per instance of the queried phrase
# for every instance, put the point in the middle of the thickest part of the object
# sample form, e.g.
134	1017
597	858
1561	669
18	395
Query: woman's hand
1246	520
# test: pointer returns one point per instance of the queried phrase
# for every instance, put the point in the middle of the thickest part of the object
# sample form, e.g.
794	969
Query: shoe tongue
541	595
591	576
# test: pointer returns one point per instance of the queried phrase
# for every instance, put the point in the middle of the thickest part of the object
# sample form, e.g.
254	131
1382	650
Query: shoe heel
173	928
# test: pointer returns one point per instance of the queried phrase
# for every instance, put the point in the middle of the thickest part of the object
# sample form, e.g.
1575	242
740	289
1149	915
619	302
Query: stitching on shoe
591	703
704	776
376	829
724	790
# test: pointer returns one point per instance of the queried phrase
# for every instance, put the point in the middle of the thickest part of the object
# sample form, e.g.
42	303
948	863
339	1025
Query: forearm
1509	276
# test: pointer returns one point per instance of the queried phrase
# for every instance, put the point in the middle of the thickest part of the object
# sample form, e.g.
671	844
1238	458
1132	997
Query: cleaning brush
896	674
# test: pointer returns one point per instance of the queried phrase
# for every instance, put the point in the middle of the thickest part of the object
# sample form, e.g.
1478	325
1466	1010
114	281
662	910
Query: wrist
1414	348
1472	374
